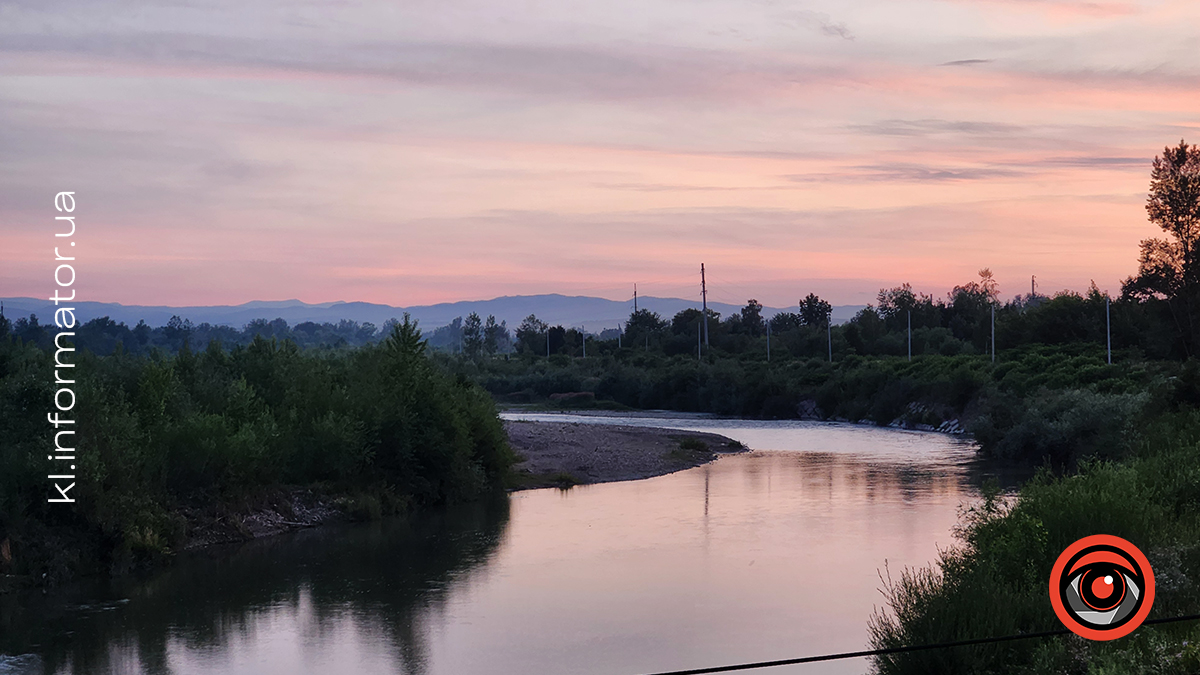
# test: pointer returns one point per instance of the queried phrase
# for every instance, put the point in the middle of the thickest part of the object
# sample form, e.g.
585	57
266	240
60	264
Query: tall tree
752	321
493	334
472	335
531	335
785	321
1168	268
814	311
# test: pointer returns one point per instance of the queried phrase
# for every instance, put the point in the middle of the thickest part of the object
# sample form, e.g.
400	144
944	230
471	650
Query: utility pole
635	298
768	342
704	303
583	332
1032	285
1108	326
993	333
829	334
547	342
699	330
910	335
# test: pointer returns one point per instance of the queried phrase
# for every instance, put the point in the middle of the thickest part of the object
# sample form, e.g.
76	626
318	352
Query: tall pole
1108	326
1032	285
547	342
993	333
635	298
768	342
704	303
829	335
583	332
910	335
699	330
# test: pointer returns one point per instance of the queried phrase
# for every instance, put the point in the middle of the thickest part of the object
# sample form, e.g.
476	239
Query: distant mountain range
594	314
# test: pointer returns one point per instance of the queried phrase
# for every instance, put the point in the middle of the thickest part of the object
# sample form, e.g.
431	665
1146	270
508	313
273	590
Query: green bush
1058	426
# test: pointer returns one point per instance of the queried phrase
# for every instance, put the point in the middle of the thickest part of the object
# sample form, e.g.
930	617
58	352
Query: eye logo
1102	587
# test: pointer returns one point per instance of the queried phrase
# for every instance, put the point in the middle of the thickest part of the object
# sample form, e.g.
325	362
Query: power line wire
896	650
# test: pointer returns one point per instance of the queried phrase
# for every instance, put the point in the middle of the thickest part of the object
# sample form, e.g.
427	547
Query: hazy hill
592	313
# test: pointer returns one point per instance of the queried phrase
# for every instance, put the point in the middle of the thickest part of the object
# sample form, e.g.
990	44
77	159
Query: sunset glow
435	151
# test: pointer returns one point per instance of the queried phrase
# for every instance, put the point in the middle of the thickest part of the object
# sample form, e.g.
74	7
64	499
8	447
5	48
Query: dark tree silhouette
814	311
752	321
1167	268
472	335
531	335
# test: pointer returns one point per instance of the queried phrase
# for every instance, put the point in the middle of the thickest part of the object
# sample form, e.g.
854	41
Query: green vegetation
995	582
160	434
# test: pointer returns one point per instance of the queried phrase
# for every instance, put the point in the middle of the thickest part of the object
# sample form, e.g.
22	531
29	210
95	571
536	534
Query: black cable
896	650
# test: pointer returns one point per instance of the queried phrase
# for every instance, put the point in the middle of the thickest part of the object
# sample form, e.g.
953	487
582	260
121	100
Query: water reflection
328	600
770	554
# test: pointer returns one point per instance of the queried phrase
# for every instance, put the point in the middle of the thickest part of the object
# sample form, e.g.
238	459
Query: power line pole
994	333
704	303
635	298
583	332
1108	326
1032	285
829	334
698	332
547	342
910	335
768	342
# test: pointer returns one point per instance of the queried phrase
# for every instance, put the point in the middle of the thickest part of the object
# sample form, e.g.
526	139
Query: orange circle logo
1102	587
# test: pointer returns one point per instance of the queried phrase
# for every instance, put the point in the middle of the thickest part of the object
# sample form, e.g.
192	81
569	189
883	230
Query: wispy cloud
967	62
907	173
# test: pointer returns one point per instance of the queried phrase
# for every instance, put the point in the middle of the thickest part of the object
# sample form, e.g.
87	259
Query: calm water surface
772	554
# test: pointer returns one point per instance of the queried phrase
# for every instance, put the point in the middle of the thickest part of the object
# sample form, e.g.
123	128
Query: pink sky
412	153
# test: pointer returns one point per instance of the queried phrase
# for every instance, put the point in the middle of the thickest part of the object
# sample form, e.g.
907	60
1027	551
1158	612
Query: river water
771	554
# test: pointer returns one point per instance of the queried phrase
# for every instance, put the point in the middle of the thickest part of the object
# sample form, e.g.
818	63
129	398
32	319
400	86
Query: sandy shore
562	453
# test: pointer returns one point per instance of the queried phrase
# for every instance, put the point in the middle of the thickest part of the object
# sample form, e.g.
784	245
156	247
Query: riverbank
549	455
561	454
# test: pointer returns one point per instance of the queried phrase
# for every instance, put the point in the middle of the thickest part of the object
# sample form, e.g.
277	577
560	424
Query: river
771	554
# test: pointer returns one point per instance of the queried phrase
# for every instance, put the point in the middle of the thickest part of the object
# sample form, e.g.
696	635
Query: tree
814	311
642	324
142	333
557	336
472	335
896	301
531	335
785	321
177	331
404	341
1168	268
752	321
494	335
644	319
686	322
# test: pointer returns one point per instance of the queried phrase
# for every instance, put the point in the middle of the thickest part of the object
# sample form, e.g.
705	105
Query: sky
425	151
